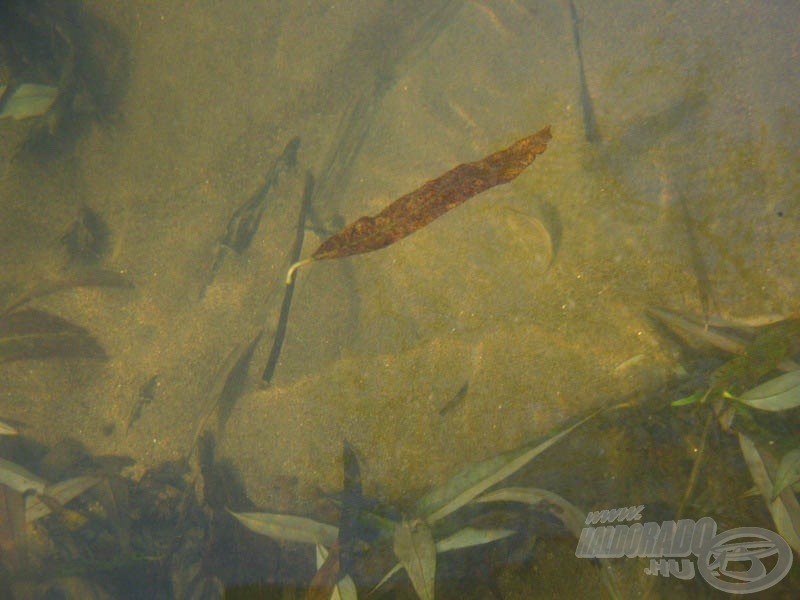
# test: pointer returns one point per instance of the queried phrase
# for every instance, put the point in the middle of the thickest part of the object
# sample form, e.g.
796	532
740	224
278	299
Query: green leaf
470	536
288	528
416	551
787	473
688	399
478	477
19	478
563	510
28	100
345	588
62	492
780	393
784	508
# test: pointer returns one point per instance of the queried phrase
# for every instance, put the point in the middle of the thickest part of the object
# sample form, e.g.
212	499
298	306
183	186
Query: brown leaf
414	211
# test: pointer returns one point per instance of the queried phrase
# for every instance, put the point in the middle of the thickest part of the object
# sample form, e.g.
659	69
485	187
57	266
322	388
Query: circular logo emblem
733	560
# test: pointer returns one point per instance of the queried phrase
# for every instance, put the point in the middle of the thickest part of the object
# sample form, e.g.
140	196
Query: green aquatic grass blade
479	477
787	473
780	393
288	528
416	551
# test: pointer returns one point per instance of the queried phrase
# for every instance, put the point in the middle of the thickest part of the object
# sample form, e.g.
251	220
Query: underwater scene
399	299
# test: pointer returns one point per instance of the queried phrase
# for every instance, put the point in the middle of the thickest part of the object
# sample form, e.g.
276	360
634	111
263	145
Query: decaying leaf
416	551
37	334
417	209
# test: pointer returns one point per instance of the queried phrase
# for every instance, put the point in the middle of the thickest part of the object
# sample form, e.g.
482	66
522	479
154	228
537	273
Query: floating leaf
416	551
477	478
289	528
20	479
780	393
37	334
28	100
414	211
788	472
61	492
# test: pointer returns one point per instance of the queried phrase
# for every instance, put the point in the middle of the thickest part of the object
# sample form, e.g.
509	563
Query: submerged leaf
61	492
28	100
788	472
19	478
566	512
479	477
780	393
37	334
784	508
416	551
470	536
345	588
427	203
288	528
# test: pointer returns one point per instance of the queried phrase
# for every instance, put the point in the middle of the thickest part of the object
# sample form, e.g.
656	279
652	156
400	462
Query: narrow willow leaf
28	100
416	551
62	492
687	400
479	477
6	429
566	512
784	508
780	393
788	472
345	589
288	528
20	479
463	538
470	536
427	203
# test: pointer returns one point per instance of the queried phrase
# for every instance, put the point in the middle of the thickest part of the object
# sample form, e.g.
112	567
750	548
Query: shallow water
689	199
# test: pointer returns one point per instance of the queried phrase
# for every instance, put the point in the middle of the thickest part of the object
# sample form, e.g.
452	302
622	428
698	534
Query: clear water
687	197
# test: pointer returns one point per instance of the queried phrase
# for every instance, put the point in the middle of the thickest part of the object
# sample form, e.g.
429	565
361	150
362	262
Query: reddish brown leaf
414	211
